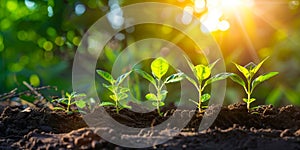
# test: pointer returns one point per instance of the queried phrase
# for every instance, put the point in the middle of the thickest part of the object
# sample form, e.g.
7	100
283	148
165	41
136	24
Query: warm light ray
252	50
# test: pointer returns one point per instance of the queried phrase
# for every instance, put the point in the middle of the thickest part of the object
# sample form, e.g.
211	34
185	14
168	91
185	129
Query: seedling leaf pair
118	93
202	74
69	100
159	67
249	72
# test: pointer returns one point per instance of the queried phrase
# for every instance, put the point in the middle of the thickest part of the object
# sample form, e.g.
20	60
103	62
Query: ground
39	127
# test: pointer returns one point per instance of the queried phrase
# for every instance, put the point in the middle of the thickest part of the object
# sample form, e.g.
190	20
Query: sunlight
219	10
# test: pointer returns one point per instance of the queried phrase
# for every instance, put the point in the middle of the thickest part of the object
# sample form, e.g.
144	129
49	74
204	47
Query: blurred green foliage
38	40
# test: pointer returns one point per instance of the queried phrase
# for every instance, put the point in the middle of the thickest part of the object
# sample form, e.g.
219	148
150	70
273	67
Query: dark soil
235	128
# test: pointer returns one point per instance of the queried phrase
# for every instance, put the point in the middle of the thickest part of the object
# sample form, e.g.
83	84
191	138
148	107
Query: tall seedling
159	68
202	74
119	93
248	72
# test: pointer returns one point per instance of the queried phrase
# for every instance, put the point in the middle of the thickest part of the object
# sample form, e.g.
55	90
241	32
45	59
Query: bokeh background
38	40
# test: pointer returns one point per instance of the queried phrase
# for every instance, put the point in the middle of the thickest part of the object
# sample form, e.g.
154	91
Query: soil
266	127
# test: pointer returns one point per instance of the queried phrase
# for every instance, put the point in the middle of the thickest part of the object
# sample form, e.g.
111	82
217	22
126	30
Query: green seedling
249	72
159	68
118	92
69	100
202	73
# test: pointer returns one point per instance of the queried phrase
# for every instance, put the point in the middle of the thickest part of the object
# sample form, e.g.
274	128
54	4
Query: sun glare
217	11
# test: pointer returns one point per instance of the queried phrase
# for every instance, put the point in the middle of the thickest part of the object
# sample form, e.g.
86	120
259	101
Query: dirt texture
235	128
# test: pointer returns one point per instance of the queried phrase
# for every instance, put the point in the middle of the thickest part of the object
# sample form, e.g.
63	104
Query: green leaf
257	67
121	78
205	97
175	78
106	76
82	95
80	103
146	76
68	94
262	78
192	81
122	106
220	76
212	65
159	67
243	70
250	101
202	72
237	79
113	97
122	96
124	90
189	63
111	88
59	108
107	104
163	95
193	101
160	104
151	96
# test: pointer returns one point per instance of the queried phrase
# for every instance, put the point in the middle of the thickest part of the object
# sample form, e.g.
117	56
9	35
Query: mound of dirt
235	128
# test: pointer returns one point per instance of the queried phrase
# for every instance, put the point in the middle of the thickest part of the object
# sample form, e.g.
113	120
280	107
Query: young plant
159	68
118	92
69	101
202	73
249	72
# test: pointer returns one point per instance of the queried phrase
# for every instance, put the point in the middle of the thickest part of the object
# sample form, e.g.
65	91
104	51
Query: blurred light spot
59	41
34	80
24	60
181	1
187	15
50	11
199	5
112	2
22	35
264	52
1	43
211	20
70	35
31	35
281	35
16	67
224	25
79	9
5	24
76	40
30	5
48	46
41	42
51	32
166	29
115	16
12	5
120	36
294	4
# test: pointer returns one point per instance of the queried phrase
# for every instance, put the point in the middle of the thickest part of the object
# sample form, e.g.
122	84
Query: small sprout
70	100
202	73
159	68
118	92
249	72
